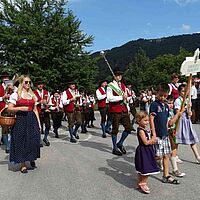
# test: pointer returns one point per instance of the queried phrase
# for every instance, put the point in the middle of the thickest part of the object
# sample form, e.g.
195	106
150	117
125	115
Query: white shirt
111	97
194	92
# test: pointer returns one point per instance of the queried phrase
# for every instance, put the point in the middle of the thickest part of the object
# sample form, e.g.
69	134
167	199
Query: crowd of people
164	110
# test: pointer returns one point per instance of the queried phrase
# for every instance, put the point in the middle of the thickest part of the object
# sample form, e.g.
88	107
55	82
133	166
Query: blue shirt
160	111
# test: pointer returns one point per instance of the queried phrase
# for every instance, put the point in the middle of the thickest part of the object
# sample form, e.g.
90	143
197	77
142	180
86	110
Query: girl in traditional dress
185	133
25	134
145	161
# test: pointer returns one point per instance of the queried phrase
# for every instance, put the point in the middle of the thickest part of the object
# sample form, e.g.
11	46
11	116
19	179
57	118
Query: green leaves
45	40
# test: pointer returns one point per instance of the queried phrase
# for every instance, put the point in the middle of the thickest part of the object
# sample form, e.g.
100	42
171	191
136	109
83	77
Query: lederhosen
73	111
56	114
103	108
119	114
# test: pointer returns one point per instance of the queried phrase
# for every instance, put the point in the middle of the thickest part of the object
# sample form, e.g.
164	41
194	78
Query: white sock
174	163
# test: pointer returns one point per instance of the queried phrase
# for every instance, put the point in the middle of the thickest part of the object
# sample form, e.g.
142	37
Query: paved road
87	170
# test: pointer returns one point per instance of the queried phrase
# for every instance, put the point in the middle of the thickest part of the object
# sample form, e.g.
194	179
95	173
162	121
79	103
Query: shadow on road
96	145
122	172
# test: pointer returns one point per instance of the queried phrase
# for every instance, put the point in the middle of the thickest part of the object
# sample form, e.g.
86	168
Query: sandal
144	188
23	170
170	180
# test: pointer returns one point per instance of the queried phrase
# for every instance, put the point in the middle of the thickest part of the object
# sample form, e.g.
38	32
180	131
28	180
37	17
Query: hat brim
118	72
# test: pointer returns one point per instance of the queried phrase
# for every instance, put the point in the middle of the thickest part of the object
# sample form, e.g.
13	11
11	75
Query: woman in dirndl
25	134
186	134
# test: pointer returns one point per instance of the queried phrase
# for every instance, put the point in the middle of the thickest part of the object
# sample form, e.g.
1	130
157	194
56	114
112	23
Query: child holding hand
145	162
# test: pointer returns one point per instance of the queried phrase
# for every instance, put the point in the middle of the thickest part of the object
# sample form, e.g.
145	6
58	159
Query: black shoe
116	152
41	145
46	141
134	129
92	125
32	163
56	136
109	132
76	136
104	136
7	150
121	148
83	131
72	140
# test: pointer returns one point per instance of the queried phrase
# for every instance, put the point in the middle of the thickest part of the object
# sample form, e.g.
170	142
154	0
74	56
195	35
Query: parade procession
112	124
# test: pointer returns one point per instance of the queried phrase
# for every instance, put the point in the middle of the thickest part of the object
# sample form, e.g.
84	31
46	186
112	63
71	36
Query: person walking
25	134
118	108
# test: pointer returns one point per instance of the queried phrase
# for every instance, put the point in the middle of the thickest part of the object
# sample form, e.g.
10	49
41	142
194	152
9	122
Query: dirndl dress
25	134
145	161
186	133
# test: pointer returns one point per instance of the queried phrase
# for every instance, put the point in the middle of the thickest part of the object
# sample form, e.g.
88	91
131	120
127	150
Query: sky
116	22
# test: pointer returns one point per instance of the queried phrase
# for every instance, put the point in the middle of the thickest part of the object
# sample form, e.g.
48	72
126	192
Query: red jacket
118	107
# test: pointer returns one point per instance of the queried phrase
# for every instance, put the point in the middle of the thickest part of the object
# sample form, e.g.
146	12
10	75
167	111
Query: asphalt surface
87	170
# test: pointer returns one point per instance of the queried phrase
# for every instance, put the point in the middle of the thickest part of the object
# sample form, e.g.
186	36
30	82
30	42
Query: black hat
102	81
56	91
117	71
71	82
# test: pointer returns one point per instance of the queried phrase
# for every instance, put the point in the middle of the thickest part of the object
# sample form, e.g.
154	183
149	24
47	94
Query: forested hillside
124	55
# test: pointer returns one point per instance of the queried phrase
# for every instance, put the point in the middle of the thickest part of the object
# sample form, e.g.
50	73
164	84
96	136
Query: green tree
135	70
44	39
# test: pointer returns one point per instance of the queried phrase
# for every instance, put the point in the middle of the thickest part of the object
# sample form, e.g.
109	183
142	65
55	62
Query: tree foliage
44	39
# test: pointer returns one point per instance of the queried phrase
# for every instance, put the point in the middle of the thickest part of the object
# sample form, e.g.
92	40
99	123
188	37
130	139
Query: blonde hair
140	115
20	87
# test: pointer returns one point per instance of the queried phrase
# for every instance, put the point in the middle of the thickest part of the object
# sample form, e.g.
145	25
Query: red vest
45	97
55	104
2	103
102	102
70	107
174	92
118	107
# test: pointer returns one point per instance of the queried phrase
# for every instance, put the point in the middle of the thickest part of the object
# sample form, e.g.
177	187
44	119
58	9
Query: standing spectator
198	100
159	112
194	102
25	134
131	101
148	99
145	161
118	107
173	86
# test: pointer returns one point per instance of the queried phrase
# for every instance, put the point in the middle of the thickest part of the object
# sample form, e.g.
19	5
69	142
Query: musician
4	97
84	113
131	101
71	102
103	107
43	97
118	107
56	108
90	108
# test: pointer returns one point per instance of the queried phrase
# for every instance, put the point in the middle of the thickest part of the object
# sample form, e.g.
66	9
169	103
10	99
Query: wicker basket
7	120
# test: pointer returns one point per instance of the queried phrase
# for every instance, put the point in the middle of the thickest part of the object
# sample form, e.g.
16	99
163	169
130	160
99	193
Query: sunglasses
27	82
